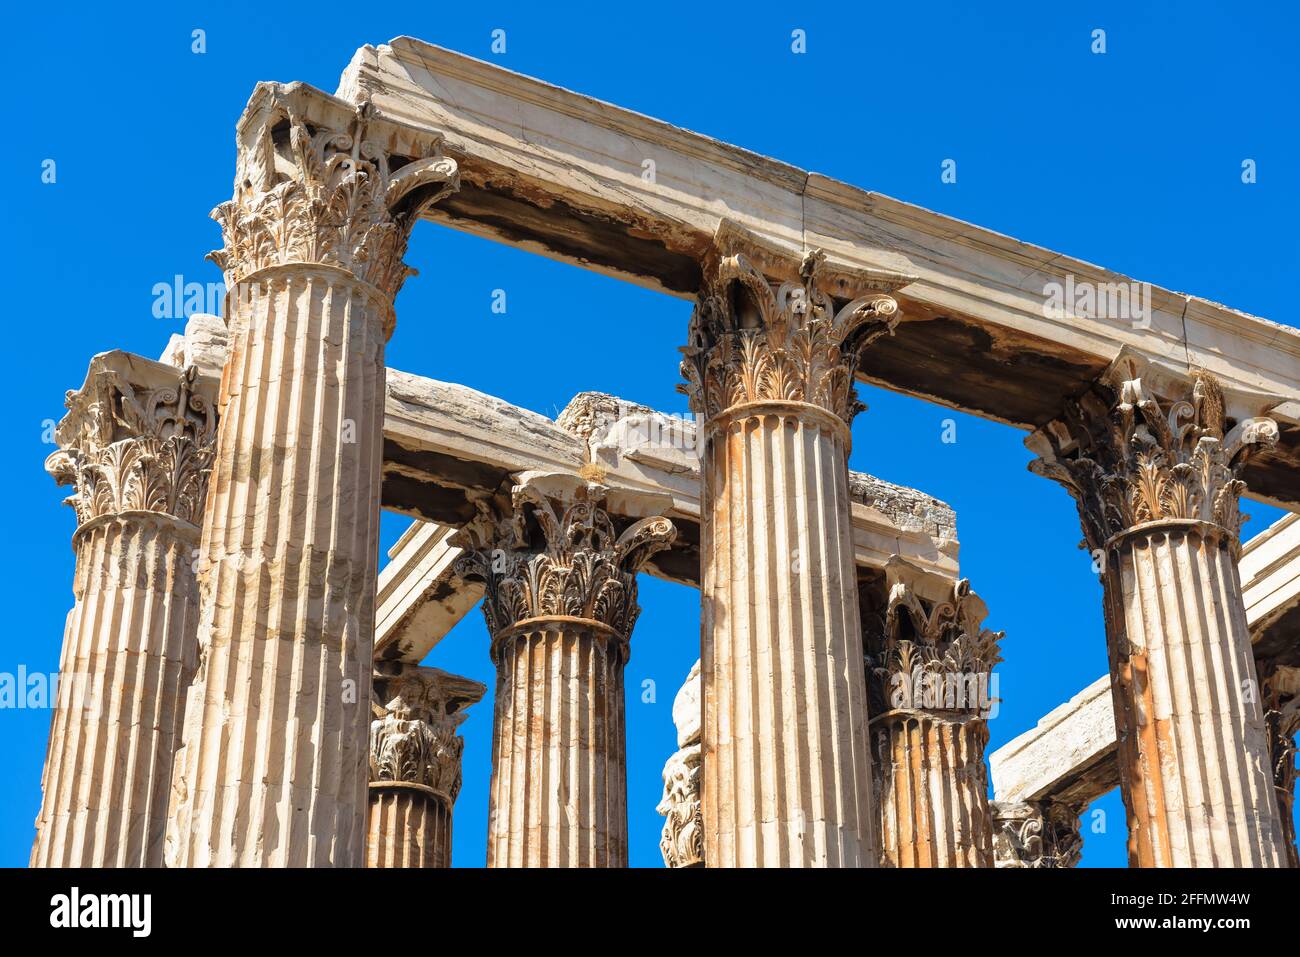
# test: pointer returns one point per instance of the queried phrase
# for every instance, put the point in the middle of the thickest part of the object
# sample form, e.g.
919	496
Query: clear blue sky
1131	160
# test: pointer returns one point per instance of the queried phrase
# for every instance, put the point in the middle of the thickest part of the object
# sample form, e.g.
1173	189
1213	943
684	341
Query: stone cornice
977	337
138	437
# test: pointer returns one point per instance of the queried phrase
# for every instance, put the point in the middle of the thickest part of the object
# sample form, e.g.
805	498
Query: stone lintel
271	103
1069	756
561	174
447	446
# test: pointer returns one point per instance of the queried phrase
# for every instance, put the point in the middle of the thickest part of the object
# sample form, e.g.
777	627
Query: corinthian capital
138	436
756	340
321	181
552	550
1036	834
413	738
1144	446
927	649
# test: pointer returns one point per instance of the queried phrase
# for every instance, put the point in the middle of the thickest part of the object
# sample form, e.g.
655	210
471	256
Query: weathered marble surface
415	763
135	446
1070	758
559	571
554	171
1154	460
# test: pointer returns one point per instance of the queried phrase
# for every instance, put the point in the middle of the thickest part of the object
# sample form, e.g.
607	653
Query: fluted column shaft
769	366
933	791
1154	459
931	689
136	445
409	826
1193	748
128	656
272	772
272	769
786	773
559	747
560	578
415	763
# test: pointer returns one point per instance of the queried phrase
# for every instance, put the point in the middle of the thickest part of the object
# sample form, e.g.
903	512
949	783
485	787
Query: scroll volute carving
125	447
1036	834
553	550
754	340
309	193
1142	446
413	737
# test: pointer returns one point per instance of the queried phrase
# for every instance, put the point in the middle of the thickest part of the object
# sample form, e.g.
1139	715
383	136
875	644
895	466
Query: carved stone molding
929	652
413	738
1143	447
552	551
1280	687
1033	834
753	340
307	193
126	447
682	841
930	690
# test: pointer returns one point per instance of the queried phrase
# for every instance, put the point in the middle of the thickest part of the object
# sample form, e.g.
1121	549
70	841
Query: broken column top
204	345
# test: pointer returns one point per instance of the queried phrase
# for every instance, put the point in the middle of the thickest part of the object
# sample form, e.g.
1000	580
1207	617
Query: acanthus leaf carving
127	450
682	839
1131	457
542	556
305	194
413	737
752	340
931	655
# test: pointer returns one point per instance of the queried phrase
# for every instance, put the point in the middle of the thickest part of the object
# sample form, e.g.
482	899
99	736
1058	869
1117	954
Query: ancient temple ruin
260	697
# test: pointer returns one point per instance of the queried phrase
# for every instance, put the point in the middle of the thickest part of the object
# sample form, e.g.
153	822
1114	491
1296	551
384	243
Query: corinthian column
135	446
1153	461
273	769
929	675
770	370
560	605
415	764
